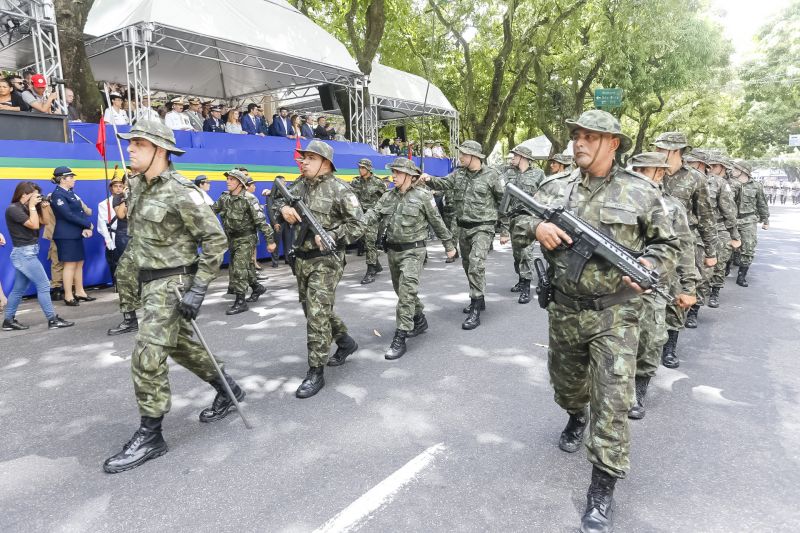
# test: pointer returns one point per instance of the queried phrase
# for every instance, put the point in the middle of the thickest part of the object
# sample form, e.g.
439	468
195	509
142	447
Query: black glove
192	299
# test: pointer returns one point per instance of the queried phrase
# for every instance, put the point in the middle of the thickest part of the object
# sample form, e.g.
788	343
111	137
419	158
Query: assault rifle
308	218
586	242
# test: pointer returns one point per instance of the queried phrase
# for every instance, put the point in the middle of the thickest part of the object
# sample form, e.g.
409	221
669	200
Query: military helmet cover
743	166
366	163
237	175
156	132
403	164
473	148
564	159
321	149
696	155
649	160
601	122
672	140
523	151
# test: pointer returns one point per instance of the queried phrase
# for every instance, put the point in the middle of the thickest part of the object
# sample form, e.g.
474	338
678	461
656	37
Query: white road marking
358	512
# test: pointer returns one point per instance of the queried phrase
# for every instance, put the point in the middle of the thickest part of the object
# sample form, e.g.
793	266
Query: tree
71	17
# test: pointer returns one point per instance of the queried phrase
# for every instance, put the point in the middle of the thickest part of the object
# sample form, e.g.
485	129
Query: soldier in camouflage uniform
477	191
242	217
654	330
753	209
336	207
527	177
559	163
594	322
168	222
404	213
725	209
369	188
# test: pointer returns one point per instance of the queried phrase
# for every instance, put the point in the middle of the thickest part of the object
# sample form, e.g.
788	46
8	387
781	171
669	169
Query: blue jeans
29	269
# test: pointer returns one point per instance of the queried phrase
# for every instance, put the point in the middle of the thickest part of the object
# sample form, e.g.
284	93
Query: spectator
428	150
438	151
232	125
395	146
36	98
114	113
23	219
251	123
28	75
263	126
193	114
305	129
385	148
72	226
3	299
205	112
175	119
9	99
72	112
17	87
296	127
214	122
146	112
323	131
281	126
108	224
119	202
204	185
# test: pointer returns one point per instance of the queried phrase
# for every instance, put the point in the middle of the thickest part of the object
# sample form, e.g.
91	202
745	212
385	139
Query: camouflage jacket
169	220
723	204
476	195
685	278
528	181
334	205
625	206
242	215
689	186
406	217
752	203
368	190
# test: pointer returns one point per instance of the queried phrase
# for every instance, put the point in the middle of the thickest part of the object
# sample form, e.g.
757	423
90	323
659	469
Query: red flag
101	138
297	154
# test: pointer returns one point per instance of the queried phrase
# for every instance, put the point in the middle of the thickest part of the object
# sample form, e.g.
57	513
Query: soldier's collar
612	171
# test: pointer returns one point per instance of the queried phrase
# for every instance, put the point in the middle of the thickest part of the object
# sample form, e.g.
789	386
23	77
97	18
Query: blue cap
60	172
200	179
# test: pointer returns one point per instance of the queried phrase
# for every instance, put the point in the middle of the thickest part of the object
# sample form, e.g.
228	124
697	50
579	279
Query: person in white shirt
114	113
146	112
428	150
175	119
107	222
202	182
438	151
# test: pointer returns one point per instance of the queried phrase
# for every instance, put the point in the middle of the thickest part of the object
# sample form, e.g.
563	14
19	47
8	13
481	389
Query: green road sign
607	98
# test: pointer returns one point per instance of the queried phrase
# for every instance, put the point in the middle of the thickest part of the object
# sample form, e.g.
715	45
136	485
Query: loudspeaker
327	97
400	131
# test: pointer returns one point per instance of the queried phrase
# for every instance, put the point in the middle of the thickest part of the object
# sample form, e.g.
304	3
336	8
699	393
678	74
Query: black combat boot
736	258
360	248
239	306
668	356
473	320
452	259
637	411
147	443
379	267
741	277
57	322
524	291
467	309
222	404
691	316
130	322
346	345
599	513
516	287
728	267
420	325
258	290
398	347
713	300
13	325
369	277
572	436
312	384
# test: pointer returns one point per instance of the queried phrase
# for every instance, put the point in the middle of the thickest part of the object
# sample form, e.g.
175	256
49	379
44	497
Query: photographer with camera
24	218
36	98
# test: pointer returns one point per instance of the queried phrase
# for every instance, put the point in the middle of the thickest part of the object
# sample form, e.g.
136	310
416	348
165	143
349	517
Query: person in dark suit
323	131
281	126
306	130
72	226
214	122
251	122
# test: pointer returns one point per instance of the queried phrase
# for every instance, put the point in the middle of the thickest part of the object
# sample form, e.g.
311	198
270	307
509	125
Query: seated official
214	122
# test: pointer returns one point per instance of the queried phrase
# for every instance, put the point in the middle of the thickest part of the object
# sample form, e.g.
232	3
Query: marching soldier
753	209
242	217
336	208
168	222
594	322
559	163
477	190
369	188
727	194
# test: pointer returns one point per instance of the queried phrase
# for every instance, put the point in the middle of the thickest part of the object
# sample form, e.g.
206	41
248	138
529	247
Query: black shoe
467	308
369	277
515	288
398	347
222	404
274	264
524	291
713	299
741	277
147	443
56	294
668	356
420	325
86	298
637	411
58	322
473	320
599	513
239	306
313	383
452	259
691	317
378	267
572	436
129	323
13	325
346	345
258	290
72	303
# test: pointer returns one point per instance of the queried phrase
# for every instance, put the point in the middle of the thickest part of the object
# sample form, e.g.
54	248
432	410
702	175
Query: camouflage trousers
317	279
748	231
522	248
703	272
449	219
56	267
406	269
370	236
163	332
592	360
652	335
724	252
128	282
474	244
241	270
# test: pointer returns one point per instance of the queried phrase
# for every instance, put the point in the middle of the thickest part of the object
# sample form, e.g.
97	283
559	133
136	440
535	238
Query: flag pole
105	164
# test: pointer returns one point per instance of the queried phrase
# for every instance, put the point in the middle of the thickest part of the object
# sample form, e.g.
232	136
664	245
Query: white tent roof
218	48
395	86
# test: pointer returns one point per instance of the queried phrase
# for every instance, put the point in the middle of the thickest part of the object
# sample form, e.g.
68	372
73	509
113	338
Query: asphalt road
458	435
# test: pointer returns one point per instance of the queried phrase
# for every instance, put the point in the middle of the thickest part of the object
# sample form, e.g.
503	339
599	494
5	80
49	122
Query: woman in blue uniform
72	226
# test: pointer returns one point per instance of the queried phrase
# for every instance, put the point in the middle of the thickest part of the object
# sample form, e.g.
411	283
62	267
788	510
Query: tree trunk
71	16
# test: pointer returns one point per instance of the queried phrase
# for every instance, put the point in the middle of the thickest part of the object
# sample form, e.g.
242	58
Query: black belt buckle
588	304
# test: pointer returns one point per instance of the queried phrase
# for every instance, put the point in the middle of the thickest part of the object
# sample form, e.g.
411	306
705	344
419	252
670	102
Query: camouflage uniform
753	209
369	190
726	192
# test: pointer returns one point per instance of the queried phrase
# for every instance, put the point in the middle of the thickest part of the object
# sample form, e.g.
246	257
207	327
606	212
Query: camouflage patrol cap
403	164
671	140
523	151
156	132
366	163
601	122
649	160
321	149
471	148
696	156
564	159
238	175
717	158
743	166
